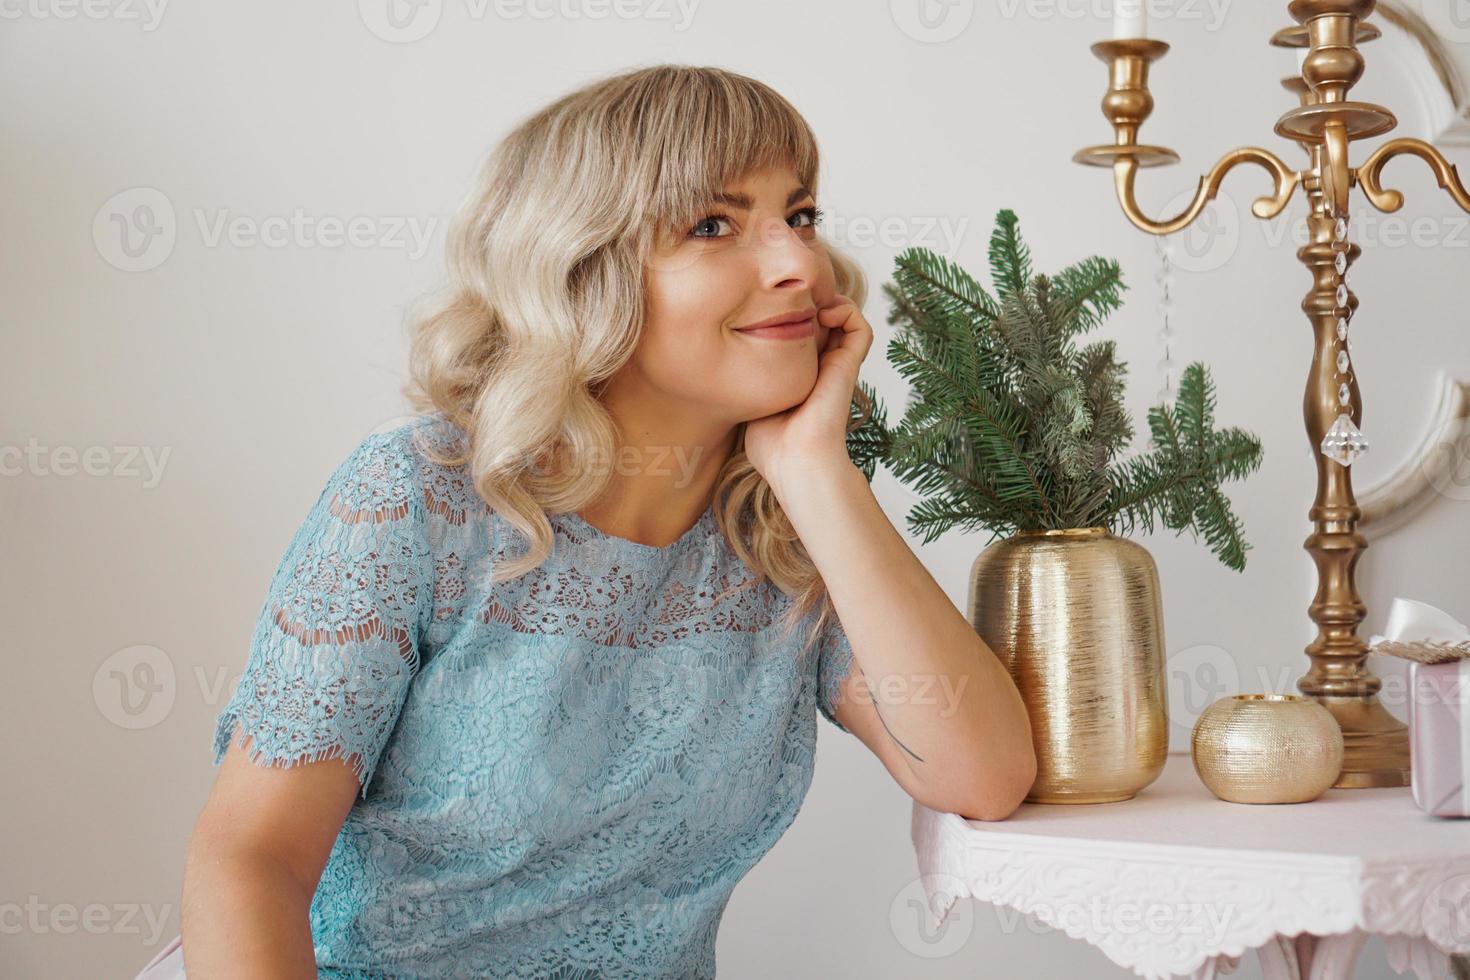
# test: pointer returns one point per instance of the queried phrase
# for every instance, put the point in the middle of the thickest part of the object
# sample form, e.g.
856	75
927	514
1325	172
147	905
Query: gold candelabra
1376	747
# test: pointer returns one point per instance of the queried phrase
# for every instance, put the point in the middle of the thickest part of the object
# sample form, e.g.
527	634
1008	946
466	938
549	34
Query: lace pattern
564	774
834	664
335	647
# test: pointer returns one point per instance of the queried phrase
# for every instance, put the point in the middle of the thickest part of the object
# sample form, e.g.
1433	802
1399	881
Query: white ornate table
1176	882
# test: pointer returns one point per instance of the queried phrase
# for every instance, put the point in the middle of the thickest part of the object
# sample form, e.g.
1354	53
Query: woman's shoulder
421	455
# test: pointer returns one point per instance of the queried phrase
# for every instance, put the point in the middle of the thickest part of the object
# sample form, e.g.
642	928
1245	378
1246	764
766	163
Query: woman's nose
785	256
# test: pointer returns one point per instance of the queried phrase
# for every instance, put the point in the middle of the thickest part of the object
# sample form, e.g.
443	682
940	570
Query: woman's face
755	258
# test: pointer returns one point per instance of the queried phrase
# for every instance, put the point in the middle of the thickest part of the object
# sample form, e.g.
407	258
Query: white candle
1130	19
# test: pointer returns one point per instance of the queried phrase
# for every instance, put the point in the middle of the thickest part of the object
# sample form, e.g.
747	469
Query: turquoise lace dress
564	774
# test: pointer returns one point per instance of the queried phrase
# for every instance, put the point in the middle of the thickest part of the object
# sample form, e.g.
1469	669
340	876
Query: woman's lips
785	331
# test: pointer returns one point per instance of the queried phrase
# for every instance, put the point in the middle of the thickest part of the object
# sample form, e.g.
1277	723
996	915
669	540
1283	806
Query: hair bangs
717	130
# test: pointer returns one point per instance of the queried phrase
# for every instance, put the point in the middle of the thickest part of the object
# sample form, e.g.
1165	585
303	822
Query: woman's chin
774	406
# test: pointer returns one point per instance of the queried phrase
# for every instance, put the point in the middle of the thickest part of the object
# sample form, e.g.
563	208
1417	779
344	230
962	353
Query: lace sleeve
336	642
834	663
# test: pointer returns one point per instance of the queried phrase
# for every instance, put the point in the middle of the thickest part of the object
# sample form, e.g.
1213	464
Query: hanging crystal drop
1342	362
1342	294
1342	328
1164	247
1340	229
1340	263
1343	394
1343	441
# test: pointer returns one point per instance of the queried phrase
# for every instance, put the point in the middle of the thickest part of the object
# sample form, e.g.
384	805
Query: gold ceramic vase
1076	616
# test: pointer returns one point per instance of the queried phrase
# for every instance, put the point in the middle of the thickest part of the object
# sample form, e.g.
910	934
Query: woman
527	695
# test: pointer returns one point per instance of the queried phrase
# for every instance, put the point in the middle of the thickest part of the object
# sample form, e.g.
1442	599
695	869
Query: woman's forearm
244	915
941	692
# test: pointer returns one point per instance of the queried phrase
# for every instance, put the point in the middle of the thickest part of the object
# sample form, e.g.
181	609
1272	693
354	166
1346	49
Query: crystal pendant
1342	296
1340	229
1340	263
1343	394
1342	362
1342	328
1343	441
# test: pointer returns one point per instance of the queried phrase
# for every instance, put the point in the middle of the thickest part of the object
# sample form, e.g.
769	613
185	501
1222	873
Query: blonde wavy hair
545	298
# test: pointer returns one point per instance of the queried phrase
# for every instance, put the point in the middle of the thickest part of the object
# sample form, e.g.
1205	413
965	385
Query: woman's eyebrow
743	200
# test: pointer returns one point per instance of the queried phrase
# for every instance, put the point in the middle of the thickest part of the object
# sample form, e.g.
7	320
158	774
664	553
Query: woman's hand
814	433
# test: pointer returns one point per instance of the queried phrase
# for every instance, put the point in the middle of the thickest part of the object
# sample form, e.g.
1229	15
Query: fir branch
1010	427
1010	259
869	440
1089	291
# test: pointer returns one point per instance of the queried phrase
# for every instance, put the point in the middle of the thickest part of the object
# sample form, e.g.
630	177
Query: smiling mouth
784	331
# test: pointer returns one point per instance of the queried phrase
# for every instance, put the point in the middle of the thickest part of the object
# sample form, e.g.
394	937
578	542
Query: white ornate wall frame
1440	465
1413	46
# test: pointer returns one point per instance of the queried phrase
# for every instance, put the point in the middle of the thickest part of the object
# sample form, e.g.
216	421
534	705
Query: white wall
254	368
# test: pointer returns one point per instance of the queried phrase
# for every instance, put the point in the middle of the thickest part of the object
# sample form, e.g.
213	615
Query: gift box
1437	647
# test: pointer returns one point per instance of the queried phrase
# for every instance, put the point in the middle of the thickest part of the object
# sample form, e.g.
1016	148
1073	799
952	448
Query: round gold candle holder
1267	748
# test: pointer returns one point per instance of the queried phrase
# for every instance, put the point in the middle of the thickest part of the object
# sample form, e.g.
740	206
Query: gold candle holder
1267	748
1324	124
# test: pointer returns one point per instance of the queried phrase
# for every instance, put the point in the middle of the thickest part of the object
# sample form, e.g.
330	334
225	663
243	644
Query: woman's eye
709	227
714	220
812	214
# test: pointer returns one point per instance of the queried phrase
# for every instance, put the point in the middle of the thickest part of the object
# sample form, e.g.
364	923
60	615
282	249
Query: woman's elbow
995	796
